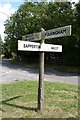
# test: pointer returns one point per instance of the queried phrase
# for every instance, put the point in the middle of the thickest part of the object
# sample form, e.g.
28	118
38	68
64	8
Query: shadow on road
48	71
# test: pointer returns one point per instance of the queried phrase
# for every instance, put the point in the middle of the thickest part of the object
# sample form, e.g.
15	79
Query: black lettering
46	34
30	38
57	32
31	46
53	33
25	45
60	32
36	46
55	48
64	31
39	46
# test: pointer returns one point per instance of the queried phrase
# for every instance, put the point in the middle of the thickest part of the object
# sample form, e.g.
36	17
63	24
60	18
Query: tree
31	17
1	45
78	30
26	20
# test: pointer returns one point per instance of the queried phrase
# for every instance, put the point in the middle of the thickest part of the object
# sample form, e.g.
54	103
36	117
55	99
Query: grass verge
19	99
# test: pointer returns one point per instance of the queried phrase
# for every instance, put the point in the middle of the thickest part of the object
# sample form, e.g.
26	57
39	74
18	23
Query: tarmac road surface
11	73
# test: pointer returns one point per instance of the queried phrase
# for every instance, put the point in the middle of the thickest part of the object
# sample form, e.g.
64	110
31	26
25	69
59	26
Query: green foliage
31	17
1	46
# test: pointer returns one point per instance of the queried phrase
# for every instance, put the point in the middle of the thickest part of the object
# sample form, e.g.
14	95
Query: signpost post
41	76
41	47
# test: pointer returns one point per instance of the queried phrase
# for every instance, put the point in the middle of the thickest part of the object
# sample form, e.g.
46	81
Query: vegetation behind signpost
31	17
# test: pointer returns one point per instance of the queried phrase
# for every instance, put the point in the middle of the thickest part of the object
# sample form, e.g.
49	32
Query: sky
8	7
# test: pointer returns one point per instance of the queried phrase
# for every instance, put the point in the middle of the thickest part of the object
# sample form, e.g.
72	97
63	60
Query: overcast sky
8	7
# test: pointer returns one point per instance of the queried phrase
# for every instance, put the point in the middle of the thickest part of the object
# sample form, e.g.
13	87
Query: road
11	73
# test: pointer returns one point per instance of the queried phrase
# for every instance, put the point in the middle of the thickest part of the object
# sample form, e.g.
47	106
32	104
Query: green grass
19	99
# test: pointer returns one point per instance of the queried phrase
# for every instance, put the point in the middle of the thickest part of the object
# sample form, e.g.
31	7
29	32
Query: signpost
58	32
48	34
42	47
41	75
33	46
32	37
